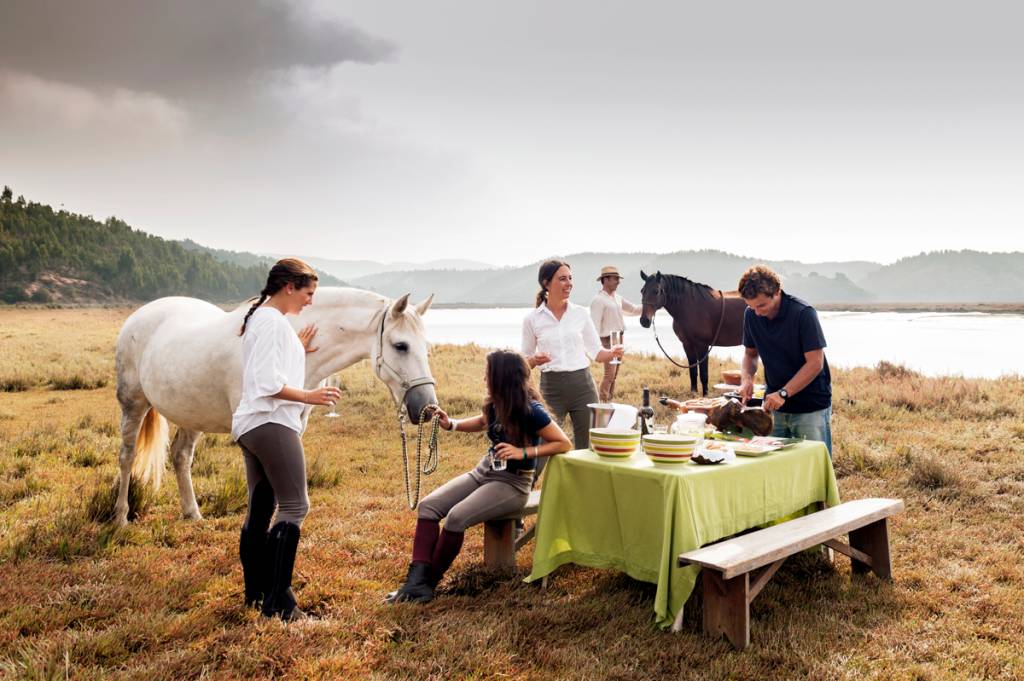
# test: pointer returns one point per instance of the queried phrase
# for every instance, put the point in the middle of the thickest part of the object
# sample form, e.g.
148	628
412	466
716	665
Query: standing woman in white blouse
560	338
268	426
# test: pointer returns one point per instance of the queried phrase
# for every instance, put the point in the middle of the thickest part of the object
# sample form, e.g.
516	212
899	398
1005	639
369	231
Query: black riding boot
252	544
418	587
281	547
252	551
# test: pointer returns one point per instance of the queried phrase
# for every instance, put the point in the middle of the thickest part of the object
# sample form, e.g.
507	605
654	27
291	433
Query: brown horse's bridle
718	331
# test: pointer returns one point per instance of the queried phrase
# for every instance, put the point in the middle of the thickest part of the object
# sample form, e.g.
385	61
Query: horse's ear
398	307
643	276
422	308
657	275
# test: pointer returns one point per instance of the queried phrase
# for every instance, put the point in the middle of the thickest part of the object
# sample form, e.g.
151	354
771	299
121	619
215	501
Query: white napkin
624	417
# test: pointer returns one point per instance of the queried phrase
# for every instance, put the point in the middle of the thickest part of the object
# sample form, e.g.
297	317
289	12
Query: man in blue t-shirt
784	332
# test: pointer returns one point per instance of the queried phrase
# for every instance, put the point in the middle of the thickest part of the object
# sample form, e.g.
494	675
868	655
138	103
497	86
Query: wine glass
333	382
616	339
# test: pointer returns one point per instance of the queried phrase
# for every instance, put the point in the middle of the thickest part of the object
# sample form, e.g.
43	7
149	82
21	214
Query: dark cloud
179	48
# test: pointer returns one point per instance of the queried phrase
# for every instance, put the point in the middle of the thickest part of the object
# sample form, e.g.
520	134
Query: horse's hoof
193	515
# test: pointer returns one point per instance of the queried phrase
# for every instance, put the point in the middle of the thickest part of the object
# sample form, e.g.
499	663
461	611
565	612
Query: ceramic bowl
614	444
670	449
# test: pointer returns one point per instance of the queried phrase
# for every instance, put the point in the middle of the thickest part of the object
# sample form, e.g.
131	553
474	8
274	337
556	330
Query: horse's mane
678	284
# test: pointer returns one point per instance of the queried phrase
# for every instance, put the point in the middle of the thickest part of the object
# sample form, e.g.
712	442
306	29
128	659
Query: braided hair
544	276
286	271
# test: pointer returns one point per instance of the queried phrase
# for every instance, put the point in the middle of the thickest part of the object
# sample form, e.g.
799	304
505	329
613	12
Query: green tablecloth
638	518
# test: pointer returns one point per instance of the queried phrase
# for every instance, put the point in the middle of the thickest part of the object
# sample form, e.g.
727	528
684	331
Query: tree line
113	259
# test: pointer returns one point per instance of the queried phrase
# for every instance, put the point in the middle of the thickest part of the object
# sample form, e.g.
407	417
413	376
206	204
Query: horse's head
652	297
400	355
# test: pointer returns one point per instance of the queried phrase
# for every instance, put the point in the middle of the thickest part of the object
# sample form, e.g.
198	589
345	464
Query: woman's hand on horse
306	336
325	396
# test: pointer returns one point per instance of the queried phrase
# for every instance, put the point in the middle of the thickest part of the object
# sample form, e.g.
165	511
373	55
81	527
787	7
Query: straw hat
609	271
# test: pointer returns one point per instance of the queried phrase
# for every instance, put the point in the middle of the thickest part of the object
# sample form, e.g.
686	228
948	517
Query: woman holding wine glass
560	338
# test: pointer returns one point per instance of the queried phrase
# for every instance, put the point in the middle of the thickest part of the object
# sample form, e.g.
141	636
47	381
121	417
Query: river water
958	344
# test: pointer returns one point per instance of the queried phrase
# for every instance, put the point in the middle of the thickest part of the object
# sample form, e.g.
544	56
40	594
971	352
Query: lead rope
721	320
433	453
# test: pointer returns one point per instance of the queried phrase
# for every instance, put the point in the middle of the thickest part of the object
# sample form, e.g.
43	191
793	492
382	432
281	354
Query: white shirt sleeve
631	309
591	342
596	311
529	345
266	365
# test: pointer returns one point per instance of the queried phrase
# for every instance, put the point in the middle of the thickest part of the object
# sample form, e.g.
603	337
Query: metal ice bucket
600	414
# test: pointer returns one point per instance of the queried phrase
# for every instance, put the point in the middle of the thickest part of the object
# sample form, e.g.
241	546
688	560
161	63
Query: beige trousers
611	372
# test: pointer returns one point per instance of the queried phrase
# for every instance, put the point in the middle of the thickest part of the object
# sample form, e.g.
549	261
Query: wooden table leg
727	607
873	540
499	544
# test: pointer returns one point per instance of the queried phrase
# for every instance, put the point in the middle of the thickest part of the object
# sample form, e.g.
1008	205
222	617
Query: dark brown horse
702	317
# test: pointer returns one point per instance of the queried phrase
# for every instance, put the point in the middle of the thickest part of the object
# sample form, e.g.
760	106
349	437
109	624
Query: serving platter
759	446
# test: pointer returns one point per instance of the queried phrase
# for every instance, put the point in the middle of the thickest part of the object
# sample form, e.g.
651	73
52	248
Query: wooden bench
728	577
500	543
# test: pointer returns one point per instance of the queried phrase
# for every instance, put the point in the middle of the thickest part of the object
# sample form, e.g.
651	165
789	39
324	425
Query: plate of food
712	452
759	446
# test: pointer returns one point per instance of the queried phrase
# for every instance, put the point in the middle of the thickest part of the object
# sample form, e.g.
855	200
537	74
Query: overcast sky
510	131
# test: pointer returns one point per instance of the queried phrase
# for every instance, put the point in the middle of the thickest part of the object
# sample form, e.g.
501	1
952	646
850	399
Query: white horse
180	360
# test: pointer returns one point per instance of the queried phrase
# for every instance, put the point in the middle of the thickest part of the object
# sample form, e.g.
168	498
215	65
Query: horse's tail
151	449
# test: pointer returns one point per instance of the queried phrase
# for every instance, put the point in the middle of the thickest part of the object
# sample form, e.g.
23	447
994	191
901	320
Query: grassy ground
161	599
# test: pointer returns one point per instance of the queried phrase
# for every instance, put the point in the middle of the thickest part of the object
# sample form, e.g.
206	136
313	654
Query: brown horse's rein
721	321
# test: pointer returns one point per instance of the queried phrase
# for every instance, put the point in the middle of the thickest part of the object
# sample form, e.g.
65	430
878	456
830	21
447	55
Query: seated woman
516	422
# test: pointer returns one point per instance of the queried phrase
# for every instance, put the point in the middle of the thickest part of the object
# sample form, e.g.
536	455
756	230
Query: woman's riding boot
252	545
252	551
423	545
281	547
448	546
417	587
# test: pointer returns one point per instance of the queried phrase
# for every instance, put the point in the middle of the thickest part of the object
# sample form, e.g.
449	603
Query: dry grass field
161	599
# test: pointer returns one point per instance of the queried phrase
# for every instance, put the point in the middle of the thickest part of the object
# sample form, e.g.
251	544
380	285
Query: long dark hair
512	390
286	271
544	276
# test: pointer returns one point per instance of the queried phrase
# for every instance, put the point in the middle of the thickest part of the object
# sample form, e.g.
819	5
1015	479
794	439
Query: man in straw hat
606	310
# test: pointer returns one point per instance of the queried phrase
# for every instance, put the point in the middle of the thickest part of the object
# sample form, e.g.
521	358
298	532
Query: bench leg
500	544
873	540
727	607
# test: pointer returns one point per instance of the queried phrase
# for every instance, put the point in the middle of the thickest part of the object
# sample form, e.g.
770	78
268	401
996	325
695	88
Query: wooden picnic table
637	518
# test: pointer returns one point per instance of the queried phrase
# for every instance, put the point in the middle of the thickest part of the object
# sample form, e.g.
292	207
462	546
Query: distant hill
57	256
951	277
939	277
354	269
245	259
518	285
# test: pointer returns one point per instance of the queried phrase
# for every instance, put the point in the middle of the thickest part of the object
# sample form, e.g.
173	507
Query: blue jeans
815	425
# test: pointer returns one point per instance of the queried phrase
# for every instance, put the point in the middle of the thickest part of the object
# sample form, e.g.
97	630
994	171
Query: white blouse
272	357
606	311
572	342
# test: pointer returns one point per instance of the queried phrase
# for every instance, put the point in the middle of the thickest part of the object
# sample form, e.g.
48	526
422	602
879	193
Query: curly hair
757	280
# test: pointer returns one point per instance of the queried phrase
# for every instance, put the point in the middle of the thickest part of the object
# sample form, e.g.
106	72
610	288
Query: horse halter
381	365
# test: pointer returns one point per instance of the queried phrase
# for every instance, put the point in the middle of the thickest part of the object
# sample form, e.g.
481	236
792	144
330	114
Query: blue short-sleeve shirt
534	421
781	343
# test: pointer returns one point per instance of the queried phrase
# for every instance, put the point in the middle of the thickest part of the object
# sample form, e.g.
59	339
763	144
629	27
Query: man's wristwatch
784	394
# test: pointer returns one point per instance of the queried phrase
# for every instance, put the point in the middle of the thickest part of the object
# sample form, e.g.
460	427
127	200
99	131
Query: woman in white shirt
559	337
268	426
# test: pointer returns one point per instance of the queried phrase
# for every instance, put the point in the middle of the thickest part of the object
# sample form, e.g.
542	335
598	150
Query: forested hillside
57	256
